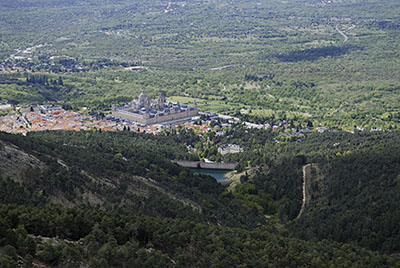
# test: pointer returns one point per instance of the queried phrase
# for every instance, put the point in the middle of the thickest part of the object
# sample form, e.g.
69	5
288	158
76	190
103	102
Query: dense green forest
353	193
353	186
287	58
60	237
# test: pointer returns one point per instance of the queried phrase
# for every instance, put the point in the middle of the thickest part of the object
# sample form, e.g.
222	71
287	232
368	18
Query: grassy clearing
209	105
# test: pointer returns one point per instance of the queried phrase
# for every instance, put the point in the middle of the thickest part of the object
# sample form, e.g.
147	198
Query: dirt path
306	178
62	163
341	33
221	67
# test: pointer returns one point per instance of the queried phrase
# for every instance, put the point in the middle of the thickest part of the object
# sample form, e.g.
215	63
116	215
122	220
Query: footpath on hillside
306	182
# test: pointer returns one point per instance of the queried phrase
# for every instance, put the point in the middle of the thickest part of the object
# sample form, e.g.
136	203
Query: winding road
342	33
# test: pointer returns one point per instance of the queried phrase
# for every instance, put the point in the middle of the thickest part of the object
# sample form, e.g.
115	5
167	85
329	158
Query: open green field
205	105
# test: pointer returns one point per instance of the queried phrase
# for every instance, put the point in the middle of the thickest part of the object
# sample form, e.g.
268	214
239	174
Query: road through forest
306	181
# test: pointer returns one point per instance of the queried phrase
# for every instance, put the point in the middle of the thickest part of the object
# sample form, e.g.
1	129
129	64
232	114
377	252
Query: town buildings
48	117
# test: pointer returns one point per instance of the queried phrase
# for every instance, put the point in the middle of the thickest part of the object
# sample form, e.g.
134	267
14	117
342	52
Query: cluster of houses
48	117
142	115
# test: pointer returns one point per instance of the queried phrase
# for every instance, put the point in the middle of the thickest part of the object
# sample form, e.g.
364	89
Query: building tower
144	101
161	101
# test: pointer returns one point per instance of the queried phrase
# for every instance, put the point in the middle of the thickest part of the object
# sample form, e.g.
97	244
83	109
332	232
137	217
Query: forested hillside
355	197
353	193
60	237
353	189
124	171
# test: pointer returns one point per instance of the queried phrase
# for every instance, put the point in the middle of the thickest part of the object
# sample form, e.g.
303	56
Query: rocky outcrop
14	162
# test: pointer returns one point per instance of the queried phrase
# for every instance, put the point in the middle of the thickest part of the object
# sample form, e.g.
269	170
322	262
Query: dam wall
217	165
206	165
188	164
